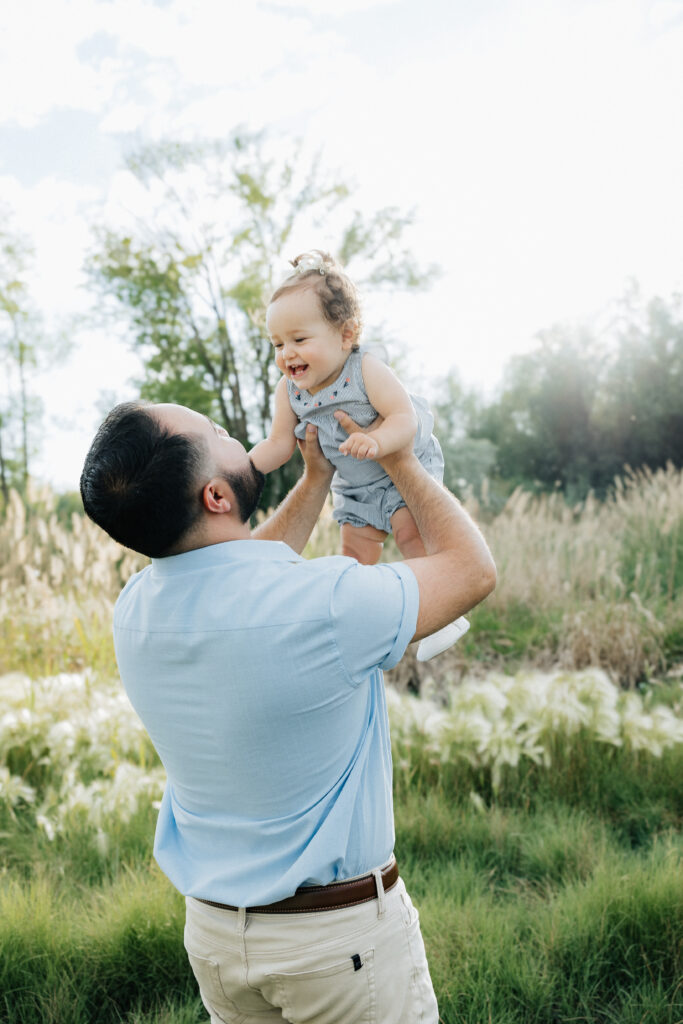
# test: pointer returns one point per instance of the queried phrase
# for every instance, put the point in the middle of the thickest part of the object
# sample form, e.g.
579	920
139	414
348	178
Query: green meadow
538	779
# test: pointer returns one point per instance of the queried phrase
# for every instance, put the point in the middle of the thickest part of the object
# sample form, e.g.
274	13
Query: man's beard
247	486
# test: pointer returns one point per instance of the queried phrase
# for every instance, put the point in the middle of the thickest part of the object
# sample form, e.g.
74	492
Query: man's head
155	473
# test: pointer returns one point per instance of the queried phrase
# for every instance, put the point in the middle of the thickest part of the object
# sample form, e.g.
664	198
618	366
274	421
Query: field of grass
597	584
544	917
538	790
538	829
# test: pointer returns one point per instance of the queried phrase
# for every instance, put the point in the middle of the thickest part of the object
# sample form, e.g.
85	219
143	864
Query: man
258	676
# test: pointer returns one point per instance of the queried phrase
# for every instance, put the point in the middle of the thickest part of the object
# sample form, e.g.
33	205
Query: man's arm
293	520
458	571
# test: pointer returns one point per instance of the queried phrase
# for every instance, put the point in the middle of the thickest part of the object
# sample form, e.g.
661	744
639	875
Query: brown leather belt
325	897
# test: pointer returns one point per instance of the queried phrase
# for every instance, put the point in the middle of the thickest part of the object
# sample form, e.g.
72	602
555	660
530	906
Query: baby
314	322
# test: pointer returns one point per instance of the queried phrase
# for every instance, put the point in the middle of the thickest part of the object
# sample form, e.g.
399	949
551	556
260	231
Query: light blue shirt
257	674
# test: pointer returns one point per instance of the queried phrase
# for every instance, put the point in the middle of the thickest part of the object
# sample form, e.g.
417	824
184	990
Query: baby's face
309	350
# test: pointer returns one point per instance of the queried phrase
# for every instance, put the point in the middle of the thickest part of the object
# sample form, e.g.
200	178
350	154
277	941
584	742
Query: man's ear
217	496
349	333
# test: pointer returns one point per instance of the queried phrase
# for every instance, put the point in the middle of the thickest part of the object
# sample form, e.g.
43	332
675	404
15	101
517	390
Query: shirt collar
221	554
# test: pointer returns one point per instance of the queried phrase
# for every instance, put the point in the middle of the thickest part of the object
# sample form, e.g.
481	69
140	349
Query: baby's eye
277	344
299	339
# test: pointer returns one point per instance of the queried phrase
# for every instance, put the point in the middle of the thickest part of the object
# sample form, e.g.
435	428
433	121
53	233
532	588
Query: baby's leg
363	543
408	540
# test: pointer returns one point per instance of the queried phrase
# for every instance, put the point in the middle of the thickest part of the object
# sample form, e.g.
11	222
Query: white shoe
444	638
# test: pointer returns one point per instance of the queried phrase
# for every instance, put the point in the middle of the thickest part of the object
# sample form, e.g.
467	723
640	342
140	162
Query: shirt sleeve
374	613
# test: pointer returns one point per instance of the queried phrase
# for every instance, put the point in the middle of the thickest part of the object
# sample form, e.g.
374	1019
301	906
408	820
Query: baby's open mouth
298	370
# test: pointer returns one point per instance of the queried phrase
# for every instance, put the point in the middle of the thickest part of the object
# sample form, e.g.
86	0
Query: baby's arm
391	400
279	446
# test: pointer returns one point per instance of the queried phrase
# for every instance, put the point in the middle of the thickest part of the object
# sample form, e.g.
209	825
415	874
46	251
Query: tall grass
606	578
597	584
57	587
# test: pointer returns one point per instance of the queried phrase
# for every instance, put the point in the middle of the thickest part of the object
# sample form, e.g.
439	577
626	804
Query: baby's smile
298	370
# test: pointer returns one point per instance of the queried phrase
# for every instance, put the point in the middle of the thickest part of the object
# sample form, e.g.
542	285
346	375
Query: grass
548	893
547	916
556	897
91	955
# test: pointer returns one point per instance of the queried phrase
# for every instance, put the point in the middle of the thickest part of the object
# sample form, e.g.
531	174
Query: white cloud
543	167
38	66
126	118
287	99
661	15
158	54
52	217
241	44
331	8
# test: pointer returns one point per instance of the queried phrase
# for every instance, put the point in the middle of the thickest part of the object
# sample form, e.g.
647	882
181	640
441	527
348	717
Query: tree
640	414
21	343
541	424
469	461
191	281
578	409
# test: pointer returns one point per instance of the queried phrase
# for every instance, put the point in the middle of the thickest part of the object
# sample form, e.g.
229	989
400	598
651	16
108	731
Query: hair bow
312	262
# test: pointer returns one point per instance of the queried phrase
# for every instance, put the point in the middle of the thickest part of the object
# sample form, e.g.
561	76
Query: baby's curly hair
337	293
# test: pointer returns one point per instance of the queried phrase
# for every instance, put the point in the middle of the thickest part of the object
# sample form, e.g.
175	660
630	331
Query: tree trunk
21	366
3	473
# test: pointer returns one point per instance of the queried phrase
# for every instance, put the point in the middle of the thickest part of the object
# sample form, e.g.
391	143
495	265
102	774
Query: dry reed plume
57	587
598	584
610	573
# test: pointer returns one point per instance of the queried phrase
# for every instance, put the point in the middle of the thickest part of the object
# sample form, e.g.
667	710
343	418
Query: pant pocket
425	1009
342	992
208	975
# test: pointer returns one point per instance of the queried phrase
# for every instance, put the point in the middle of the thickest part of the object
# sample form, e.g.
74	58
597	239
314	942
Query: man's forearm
459	567
440	518
293	520
458	570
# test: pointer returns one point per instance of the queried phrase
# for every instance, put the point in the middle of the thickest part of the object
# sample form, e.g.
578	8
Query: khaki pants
357	965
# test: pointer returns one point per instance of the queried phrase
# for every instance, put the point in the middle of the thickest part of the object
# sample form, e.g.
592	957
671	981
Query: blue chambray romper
363	493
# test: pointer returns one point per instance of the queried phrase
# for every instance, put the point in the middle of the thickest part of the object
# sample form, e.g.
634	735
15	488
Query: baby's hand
361	446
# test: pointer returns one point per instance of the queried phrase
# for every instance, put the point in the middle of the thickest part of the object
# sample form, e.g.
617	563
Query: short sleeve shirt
257	674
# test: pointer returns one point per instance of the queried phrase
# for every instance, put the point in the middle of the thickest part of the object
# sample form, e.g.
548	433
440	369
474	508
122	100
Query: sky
538	142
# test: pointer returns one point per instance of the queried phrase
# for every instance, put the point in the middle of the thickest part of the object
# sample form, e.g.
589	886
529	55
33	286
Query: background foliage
191	283
579	407
188	283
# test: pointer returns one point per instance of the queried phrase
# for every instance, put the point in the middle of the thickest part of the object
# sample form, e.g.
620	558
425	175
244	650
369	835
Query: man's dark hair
140	482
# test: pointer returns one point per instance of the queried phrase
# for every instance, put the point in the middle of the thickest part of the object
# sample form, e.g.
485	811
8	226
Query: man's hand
350	426
315	462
